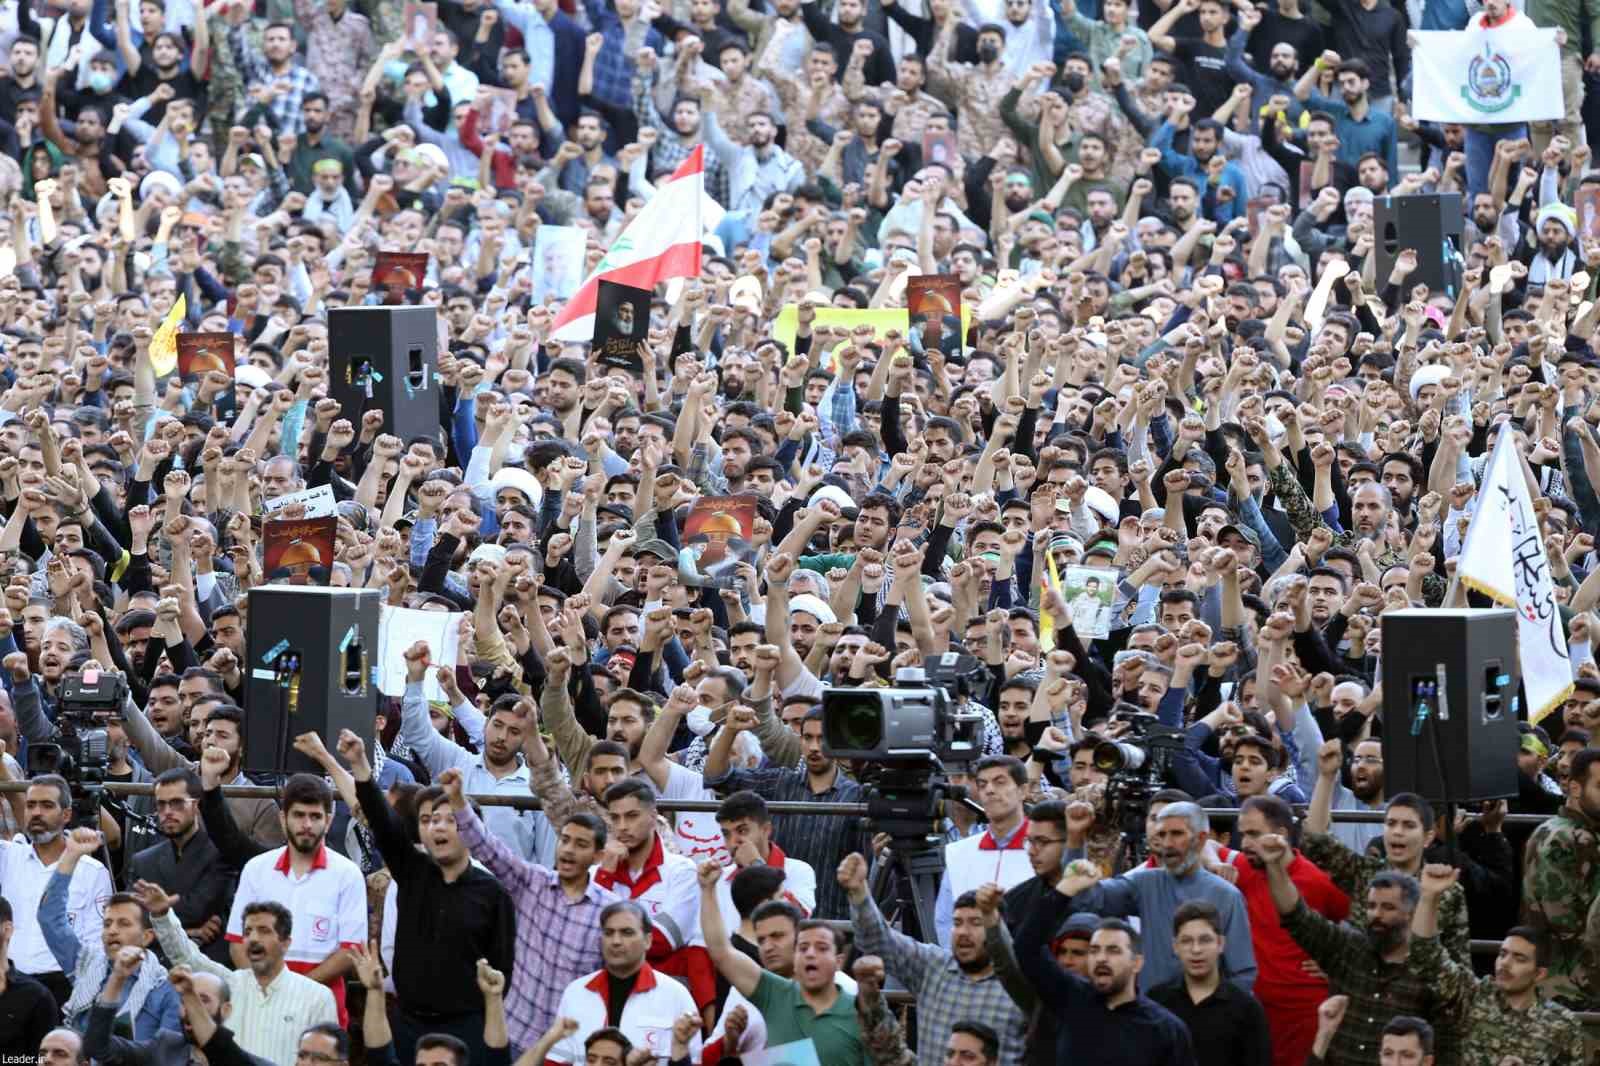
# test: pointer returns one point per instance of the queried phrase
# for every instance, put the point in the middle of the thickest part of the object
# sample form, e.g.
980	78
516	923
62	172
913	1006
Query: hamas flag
1478	76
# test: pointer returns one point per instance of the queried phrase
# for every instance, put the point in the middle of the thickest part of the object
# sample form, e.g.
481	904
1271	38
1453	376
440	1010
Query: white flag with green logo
1480	76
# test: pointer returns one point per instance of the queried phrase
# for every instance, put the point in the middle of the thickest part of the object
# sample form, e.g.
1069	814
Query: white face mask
699	721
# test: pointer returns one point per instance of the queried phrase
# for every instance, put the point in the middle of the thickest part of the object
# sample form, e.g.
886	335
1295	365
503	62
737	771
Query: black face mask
1073	82
988	53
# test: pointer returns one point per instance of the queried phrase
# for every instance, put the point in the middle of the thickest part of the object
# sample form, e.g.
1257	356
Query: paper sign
558	262
401	627
940	148
318	499
298	552
398	276
717	537
1589	211
933	302
795	1053
498	108
421	20
621	324
204	353
1089	592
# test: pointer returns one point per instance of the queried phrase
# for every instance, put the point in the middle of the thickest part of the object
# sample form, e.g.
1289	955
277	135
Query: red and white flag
662	242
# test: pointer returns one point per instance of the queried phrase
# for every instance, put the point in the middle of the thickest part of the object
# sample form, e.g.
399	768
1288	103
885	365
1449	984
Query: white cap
813	606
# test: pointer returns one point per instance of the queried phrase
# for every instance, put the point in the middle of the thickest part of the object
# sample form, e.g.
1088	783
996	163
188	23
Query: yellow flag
1047	622
164	345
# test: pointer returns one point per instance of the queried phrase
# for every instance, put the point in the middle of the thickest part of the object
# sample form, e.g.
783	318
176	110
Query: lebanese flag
663	241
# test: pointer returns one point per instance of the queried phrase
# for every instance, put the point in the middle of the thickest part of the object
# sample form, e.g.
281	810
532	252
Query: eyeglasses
1367	760
1041	842
173	804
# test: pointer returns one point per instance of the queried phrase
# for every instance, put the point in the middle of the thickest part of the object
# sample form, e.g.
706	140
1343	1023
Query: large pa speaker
311	652
386	358
1431	226
1449	720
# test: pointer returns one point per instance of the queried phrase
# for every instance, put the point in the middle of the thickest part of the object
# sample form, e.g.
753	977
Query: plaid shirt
614	66
558	940
672	148
285	107
945	995
1378	990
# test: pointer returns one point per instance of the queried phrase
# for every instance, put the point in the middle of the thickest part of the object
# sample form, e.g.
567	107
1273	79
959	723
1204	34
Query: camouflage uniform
1546	1034
1304	516
1560	883
1353	873
1104	844
881	1033
224	85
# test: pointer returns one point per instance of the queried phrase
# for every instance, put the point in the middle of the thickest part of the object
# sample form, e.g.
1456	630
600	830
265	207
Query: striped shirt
266	1021
558	939
945	995
822	843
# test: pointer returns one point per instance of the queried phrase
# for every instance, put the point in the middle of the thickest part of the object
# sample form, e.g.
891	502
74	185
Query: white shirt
698	834
799	886
266	1022
329	904
657	1001
668	888
23	879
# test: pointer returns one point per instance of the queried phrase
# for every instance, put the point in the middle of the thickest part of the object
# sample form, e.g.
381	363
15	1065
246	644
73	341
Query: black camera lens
852	721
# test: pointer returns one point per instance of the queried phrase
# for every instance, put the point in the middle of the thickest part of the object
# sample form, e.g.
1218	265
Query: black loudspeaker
1430	226
1449	715
311	657
386	358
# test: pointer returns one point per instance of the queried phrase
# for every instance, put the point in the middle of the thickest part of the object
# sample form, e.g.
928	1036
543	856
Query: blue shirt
1184	165
1373	133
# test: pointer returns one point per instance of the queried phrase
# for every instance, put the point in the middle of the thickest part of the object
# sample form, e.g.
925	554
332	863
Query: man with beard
26	870
1556	226
1504	1015
1408	822
1283	67
590	134
1102	1018
322	890
1154	893
1368	960
272	77
1226	1024
451	913
951	984
187	860
23	80
206	1004
757	169
629	716
1361	127
1365	792
145	1003
499	768
1289	990
1559	884
316	144
131	836
224	730
820	843
272	1004
1225	188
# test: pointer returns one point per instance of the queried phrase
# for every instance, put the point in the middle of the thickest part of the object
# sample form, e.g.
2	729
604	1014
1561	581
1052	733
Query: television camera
906	740
1135	763
81	750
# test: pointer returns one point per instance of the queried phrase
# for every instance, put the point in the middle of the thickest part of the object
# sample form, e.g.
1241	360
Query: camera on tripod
81	751
905	739
1145	750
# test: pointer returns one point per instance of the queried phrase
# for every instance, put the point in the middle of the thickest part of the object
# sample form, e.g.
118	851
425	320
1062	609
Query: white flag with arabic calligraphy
1504	559
1476	76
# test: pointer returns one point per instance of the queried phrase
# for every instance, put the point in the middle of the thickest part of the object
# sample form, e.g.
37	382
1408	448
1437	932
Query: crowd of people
1176	367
